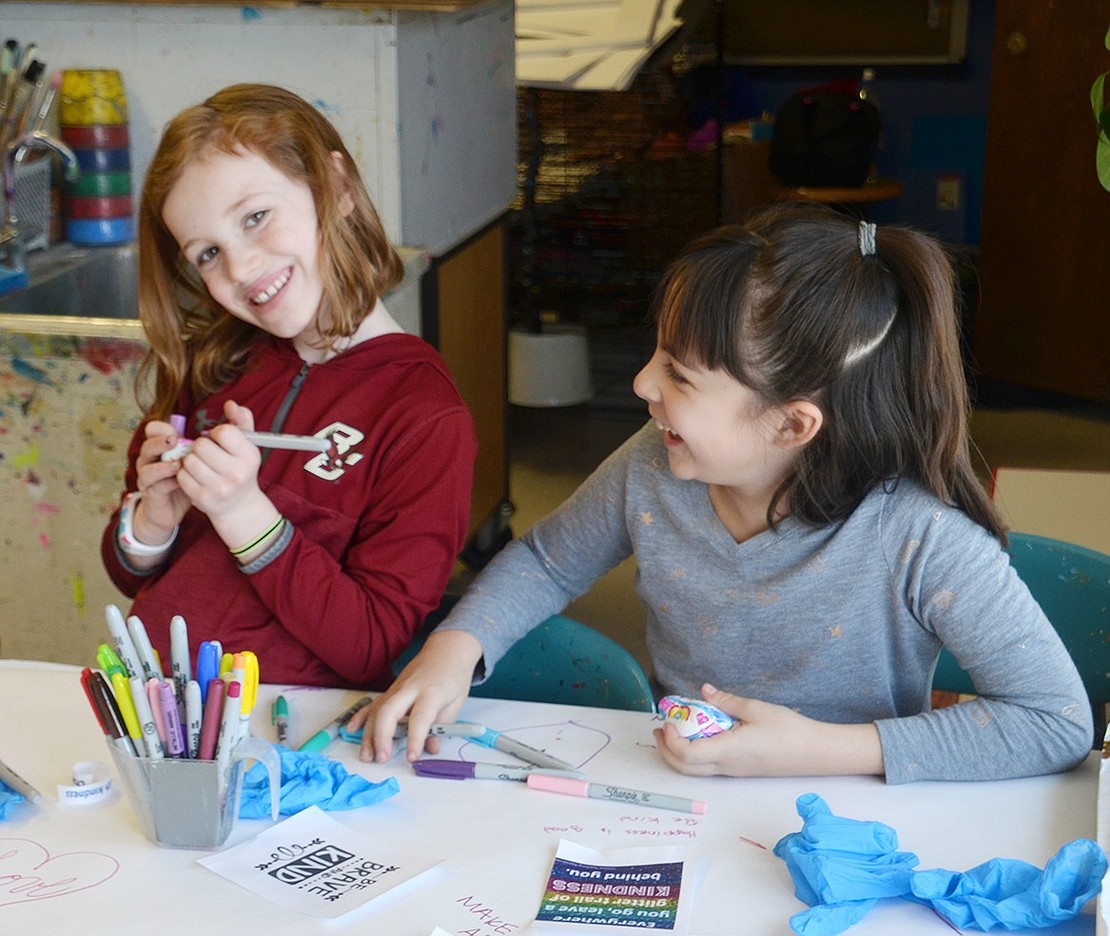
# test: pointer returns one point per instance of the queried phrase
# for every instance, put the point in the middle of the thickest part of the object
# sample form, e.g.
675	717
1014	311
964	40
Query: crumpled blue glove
1012	894
309	779
8	799
841	867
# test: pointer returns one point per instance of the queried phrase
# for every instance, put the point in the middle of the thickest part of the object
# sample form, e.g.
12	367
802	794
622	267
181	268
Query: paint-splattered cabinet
67	411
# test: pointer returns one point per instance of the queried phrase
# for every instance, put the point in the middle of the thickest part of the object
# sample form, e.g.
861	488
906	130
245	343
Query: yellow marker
250	681
126	705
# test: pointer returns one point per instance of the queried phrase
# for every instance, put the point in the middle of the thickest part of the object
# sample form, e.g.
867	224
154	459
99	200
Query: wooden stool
853	200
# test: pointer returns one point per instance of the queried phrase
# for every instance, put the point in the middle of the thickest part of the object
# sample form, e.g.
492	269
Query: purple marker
175	731
463	770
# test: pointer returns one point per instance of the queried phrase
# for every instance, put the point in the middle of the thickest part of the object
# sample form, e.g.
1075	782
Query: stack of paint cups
98	206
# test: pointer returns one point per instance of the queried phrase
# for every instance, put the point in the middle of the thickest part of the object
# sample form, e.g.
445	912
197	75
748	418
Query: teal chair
563	661
1072	584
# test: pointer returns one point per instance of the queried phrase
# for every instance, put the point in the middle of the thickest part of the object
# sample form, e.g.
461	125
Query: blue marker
208	665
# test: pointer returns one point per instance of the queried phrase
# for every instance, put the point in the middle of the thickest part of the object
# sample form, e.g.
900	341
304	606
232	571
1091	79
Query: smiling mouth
261	298
668	433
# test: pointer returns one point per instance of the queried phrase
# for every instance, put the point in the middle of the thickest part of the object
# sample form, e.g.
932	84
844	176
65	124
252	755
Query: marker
279	716
16	782
208	666
152	669
487	737
229	726
98	710
108	660
113	715
245	667
297	443
330	731
569	787
273	440
194	717
124	645
171	719
152	744
154	700
179	654
105	709
213	716
495	739
127	710
464	770
250	680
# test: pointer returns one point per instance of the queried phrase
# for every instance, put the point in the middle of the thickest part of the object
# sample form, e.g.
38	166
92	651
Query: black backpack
823	137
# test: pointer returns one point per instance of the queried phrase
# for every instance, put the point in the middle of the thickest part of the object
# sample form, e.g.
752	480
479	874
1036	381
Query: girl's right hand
164	504
432	688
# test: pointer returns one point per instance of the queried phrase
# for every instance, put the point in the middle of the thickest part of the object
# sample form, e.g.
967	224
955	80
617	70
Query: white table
498	838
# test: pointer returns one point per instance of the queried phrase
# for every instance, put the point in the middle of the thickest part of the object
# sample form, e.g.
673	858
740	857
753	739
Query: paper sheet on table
317	866
601	893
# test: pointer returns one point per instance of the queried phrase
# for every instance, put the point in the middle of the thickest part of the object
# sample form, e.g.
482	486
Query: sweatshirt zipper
287	404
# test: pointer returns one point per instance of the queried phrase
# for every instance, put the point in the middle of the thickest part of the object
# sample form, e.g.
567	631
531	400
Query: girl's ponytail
934	383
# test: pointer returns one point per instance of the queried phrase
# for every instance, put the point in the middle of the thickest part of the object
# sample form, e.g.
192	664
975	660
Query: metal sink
82	282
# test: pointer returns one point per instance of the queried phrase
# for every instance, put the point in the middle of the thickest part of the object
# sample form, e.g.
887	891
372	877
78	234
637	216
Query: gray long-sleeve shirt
842	622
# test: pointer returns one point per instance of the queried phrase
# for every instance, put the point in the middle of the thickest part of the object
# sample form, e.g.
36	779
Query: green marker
279	716
109	661
330	731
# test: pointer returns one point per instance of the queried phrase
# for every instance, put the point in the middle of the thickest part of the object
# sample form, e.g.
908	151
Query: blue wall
935	122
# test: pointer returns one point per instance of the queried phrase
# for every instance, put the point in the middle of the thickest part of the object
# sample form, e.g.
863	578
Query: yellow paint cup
92	97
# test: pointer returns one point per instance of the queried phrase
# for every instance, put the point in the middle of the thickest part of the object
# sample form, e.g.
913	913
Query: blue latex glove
8	799
309	779
841	867
1010	894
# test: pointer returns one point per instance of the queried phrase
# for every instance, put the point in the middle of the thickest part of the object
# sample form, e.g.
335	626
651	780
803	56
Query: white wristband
125	531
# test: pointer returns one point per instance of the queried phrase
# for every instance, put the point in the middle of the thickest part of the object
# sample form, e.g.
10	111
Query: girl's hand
220	474
432	688
164	503
771	741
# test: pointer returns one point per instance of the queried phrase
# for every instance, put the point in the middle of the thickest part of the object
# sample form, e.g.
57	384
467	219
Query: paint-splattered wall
67	411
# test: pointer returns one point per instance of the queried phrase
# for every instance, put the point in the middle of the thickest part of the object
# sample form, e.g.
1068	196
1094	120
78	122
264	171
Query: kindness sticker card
595	892
315	865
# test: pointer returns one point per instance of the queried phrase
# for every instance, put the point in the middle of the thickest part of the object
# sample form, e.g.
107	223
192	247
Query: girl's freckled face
252	234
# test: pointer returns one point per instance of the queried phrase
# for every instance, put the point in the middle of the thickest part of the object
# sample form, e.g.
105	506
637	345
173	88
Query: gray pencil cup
184	803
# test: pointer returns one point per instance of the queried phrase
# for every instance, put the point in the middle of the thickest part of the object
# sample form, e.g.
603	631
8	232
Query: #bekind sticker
315	865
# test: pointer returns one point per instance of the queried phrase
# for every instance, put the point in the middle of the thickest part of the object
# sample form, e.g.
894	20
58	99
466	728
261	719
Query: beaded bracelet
125	531
257	541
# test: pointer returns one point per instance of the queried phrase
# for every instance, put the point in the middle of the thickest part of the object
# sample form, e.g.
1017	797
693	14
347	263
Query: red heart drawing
28	872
